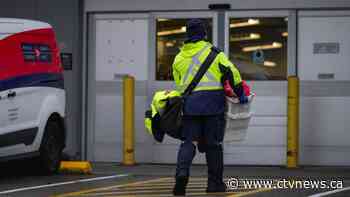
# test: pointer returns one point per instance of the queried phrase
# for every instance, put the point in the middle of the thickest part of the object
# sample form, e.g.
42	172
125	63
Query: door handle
11	94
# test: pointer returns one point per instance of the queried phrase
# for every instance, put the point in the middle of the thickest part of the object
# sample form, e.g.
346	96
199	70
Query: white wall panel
265	121
324	111
263	136
117	55
269	106
325	121
255	155
121	48
320	155
108	136
108	127
324	30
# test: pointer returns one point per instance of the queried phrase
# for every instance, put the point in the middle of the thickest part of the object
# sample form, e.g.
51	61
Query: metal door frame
88	147
292	32
155	84
89	102
271	88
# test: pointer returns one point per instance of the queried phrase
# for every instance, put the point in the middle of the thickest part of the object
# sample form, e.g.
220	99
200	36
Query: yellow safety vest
191	57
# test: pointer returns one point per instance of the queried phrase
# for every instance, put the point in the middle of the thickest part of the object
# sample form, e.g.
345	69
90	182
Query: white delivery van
32	95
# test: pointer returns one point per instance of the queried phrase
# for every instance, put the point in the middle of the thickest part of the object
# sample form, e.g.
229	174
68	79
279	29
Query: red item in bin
246	88
228	89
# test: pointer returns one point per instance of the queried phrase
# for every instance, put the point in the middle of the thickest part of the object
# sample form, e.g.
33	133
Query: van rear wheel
51	148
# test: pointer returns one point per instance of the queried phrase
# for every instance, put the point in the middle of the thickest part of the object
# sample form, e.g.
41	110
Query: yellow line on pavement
149	187
187	194
250	192
164	184
152	185
110	187
155	192
193	179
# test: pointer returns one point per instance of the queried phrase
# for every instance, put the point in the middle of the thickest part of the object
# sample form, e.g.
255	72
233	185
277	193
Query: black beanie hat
195	30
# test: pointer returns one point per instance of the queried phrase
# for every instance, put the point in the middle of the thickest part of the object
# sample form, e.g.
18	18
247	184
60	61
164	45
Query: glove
228	89
243	99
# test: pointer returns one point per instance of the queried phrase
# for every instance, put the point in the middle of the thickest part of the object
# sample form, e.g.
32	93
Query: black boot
217	188
185	156
180	186
215	162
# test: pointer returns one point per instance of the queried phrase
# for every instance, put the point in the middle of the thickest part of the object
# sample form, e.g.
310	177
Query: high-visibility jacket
190	58
157	107
208	97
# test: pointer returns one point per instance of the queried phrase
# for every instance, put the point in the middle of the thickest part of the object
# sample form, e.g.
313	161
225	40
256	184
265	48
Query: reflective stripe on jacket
208	97
190	58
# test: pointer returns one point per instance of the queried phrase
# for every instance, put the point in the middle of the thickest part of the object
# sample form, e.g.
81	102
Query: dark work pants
207	129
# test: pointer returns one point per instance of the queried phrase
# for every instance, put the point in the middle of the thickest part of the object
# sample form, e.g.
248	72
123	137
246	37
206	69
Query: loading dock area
269	42
311	45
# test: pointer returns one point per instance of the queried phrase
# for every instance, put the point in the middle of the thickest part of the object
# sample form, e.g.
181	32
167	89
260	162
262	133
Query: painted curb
81	167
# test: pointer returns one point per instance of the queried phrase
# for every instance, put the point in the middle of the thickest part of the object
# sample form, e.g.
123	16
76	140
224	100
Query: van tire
51	148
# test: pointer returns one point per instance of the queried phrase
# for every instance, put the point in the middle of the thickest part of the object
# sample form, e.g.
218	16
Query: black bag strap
202	70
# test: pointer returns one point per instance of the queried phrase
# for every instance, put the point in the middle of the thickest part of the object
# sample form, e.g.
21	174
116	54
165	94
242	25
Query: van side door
3	109
7	49
32	87
40	82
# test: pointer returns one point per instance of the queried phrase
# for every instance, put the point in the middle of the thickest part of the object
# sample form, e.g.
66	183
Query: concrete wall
64	16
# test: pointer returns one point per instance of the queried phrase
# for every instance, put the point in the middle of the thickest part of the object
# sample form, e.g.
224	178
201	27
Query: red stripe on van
12	62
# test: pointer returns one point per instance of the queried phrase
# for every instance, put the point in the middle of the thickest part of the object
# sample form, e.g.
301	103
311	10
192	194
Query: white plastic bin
237	119
233	106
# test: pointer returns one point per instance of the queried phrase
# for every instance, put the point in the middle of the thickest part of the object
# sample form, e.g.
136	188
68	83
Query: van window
37	53
28	52
45	53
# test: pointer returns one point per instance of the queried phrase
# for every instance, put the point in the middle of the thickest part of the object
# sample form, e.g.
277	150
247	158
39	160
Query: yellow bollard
293	122
128	120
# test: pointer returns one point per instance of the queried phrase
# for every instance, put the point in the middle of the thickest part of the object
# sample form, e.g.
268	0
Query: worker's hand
243	99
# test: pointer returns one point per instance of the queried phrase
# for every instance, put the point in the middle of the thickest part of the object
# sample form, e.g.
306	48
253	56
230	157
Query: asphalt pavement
146	180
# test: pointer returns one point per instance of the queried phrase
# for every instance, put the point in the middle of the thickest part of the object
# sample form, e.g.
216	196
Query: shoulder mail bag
171	119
